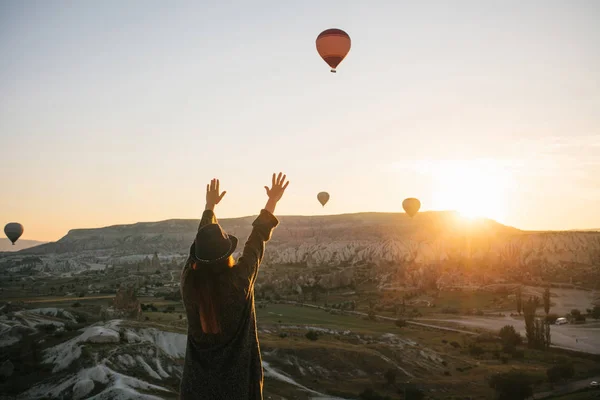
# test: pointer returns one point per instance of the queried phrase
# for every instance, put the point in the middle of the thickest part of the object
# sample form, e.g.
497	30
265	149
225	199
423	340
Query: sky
118	112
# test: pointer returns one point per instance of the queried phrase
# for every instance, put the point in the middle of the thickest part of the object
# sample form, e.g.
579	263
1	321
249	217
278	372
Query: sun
473	188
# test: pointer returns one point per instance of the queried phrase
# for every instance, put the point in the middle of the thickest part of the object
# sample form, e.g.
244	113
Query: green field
284	314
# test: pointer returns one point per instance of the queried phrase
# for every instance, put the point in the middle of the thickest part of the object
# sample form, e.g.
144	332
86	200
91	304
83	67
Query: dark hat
212	244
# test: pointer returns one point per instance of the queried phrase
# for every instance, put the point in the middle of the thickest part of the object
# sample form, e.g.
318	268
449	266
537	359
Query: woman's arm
262	228
212	199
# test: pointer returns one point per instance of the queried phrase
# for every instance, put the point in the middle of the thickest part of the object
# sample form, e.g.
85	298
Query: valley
360	306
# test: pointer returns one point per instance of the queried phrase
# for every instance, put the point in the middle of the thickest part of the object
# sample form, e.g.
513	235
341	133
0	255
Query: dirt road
63	299
585	337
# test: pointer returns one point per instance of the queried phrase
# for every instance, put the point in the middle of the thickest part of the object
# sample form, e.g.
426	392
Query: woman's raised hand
278	186
212	194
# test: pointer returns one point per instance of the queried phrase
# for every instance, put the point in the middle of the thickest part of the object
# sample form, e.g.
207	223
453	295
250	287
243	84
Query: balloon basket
333	71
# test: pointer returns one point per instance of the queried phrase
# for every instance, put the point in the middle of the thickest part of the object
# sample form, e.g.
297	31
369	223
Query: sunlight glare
473	188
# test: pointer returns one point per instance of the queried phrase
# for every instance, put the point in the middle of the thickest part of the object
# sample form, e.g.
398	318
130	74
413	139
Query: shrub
312	335
475	350
560	371
410	391
370	394
551	318
486	337
504	359
455	344
283	335
174	296
390	376
510	338
48	328
449	310
400	323
513	385
76	304
518	354
73	327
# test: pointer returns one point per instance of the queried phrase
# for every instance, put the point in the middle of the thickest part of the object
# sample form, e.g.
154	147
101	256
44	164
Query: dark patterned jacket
227	365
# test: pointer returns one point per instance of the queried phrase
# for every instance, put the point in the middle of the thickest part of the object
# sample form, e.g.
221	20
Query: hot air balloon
323	198
411	206
333	45
13	231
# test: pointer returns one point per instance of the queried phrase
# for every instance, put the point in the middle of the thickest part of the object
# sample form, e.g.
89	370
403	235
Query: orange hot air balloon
323	198
333	45
411	206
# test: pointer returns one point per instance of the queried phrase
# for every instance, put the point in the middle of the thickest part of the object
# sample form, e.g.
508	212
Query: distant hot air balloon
333	45
13	231
323	198
411	206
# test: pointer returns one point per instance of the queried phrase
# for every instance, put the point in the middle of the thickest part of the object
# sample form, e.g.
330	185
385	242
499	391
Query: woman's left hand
212	194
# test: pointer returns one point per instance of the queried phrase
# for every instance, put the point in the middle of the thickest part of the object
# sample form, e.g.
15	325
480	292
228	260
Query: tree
519	298
537	329
510	338
371	315
314	297
155	263
546	298
390	376
513	385
595	312
529	314
577	316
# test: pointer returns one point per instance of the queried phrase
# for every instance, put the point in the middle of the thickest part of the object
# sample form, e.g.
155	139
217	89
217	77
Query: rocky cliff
388	244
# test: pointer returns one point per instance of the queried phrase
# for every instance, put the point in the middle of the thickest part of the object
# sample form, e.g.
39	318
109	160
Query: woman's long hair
212	283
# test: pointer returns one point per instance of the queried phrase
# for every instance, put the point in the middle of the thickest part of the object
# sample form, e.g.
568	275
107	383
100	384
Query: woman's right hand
278	186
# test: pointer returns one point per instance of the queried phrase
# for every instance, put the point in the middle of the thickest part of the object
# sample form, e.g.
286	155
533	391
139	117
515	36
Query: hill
175	235
6	245
435	248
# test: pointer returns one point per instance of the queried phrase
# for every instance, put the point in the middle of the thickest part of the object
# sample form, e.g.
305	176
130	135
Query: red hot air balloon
333	45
